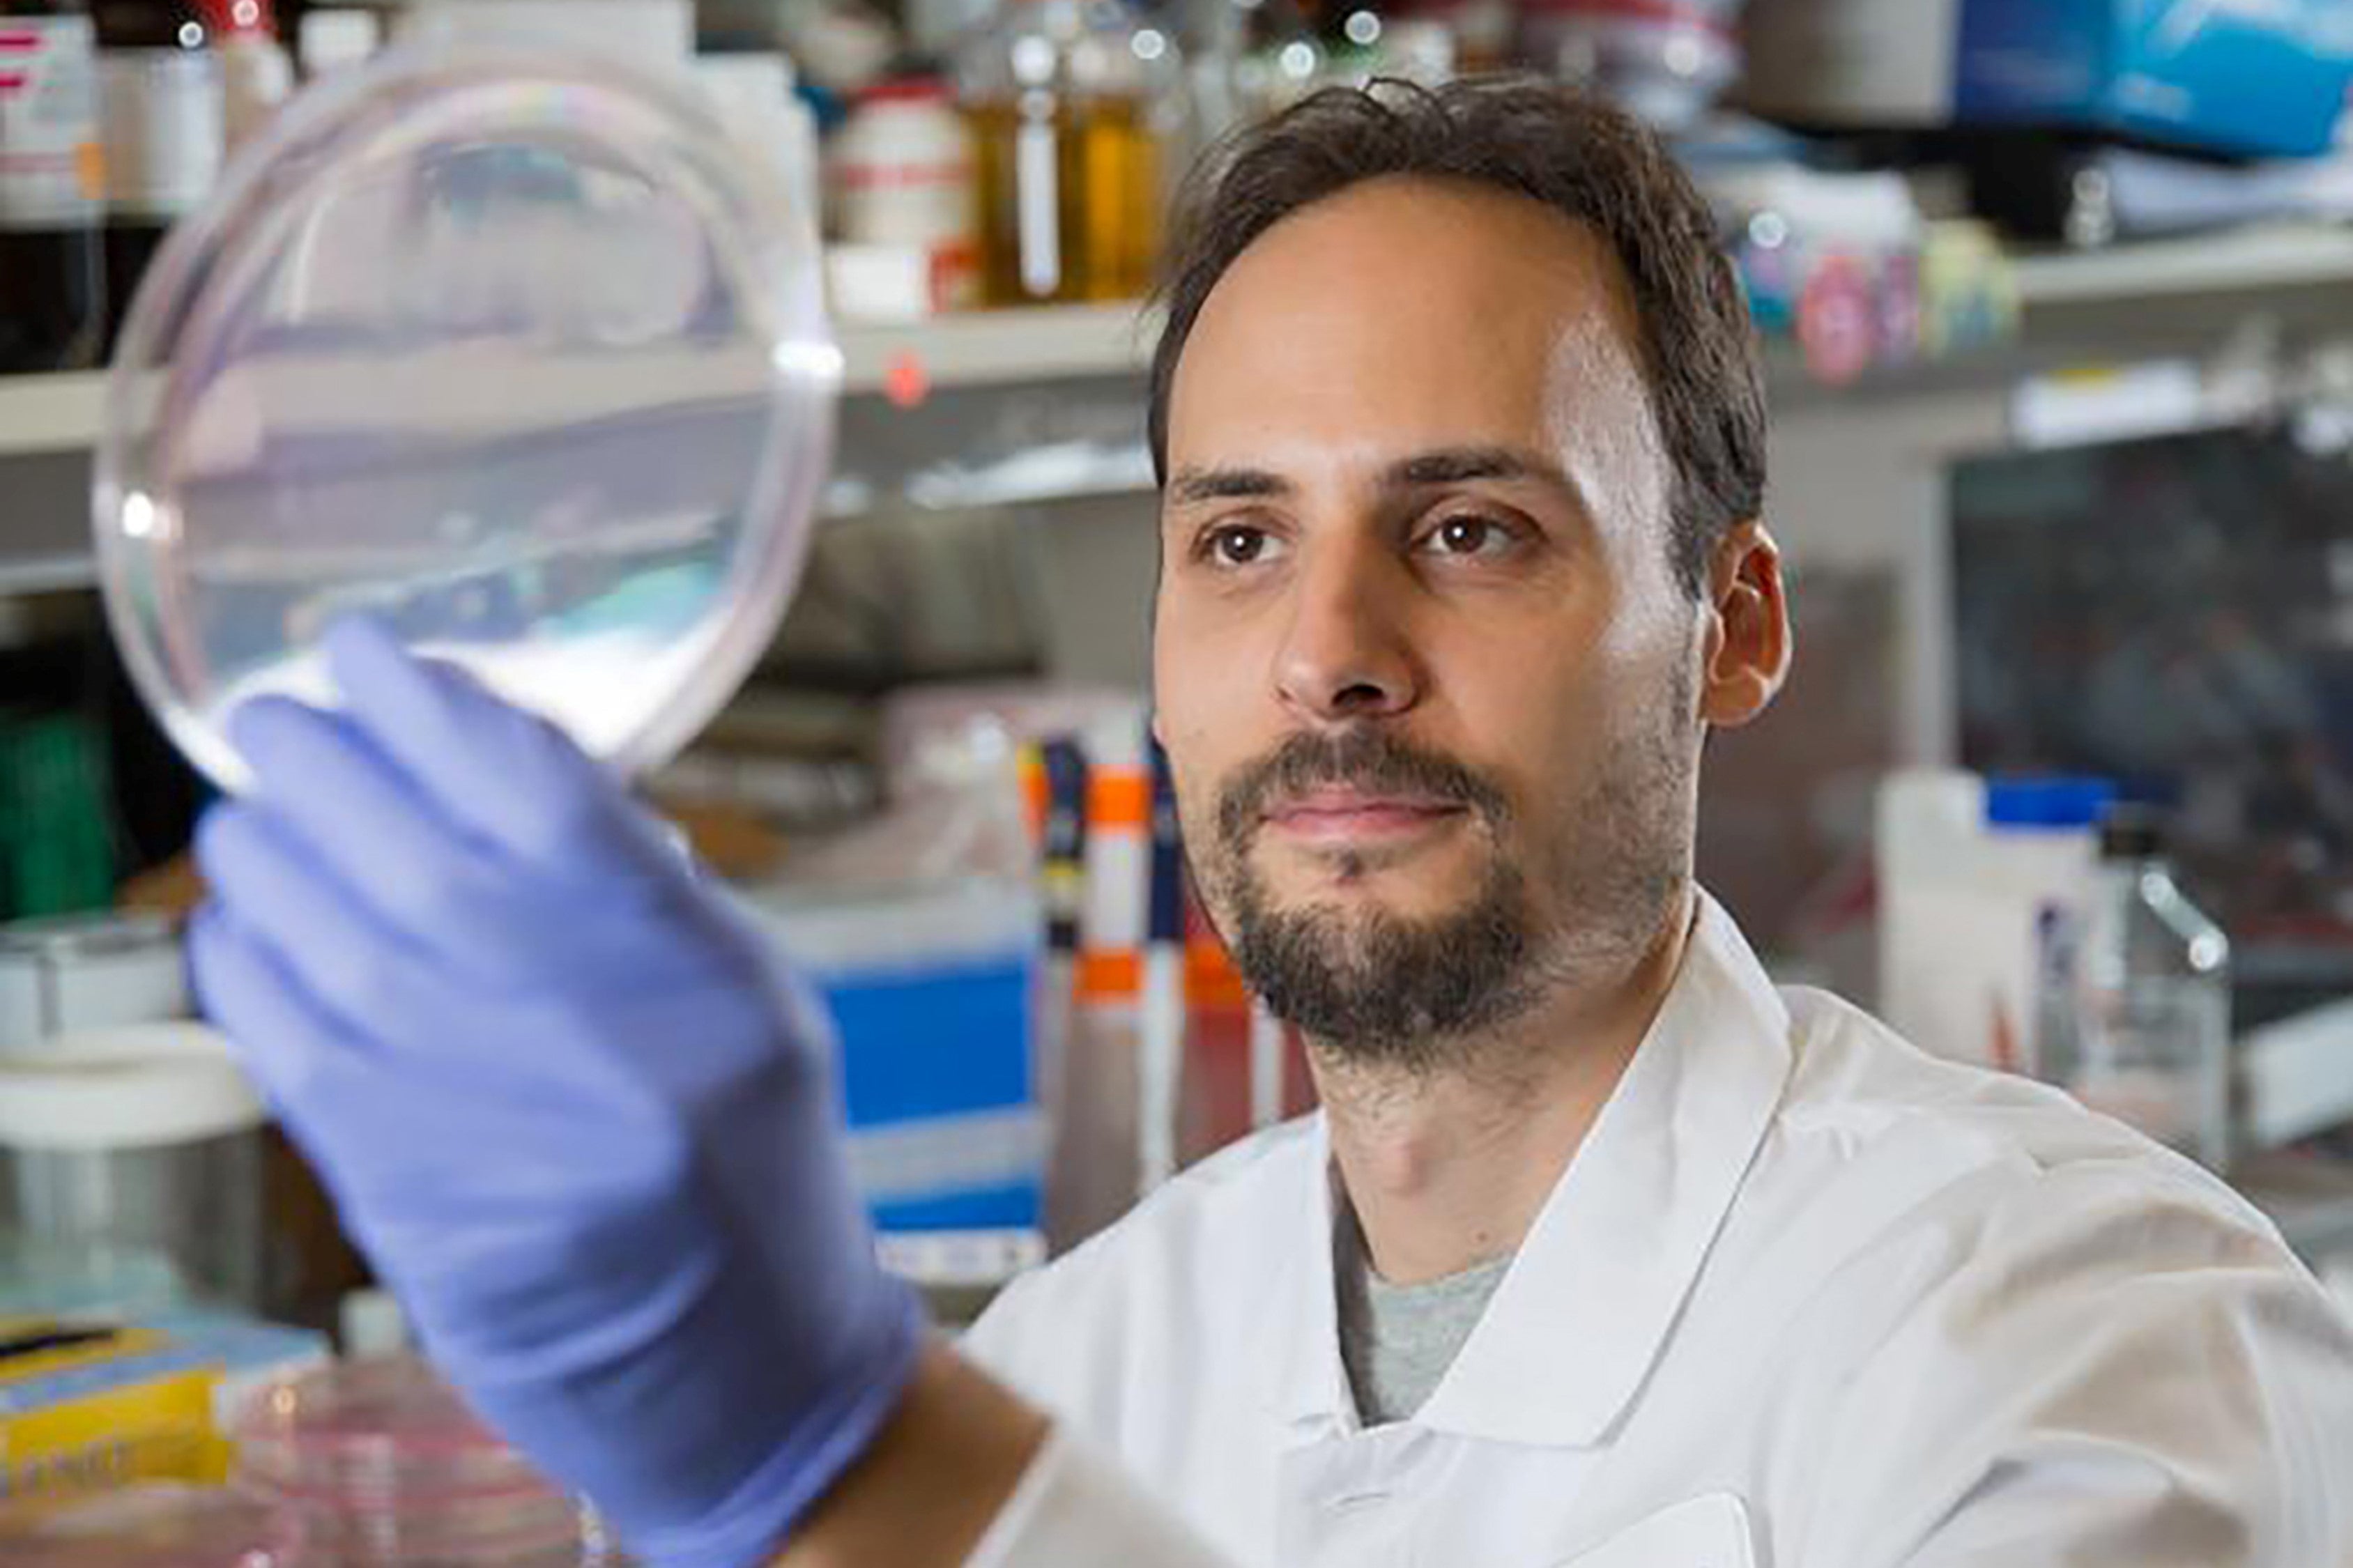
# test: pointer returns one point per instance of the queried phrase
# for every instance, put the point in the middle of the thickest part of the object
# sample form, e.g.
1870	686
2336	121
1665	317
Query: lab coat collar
1585	1310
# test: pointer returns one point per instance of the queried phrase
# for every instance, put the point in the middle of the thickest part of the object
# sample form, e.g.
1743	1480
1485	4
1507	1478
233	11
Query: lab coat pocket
1710	1531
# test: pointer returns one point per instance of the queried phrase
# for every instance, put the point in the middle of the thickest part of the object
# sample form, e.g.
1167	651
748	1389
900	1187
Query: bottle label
907	202
52	171
164	130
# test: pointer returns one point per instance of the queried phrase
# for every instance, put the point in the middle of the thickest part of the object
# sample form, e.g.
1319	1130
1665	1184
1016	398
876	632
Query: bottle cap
2047	802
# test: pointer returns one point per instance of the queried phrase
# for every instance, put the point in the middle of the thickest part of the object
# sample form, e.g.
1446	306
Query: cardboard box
89	1407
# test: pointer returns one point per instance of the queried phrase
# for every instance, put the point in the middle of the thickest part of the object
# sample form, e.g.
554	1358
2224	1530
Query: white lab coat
1807	1298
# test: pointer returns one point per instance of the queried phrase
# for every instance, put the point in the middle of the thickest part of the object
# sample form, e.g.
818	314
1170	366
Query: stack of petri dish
155	1525
378	1464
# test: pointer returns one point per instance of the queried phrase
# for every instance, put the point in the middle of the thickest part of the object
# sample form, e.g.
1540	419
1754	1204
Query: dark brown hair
1556	146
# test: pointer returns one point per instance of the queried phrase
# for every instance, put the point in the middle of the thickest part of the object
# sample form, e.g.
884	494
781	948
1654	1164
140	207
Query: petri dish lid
380	1431
513	349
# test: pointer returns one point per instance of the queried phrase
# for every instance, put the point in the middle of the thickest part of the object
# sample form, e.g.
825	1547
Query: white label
51	172
164	130
1040	204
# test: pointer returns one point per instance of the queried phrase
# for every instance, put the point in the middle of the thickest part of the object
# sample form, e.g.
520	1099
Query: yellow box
86	1406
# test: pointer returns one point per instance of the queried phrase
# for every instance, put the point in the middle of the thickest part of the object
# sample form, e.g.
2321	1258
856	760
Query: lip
1327	816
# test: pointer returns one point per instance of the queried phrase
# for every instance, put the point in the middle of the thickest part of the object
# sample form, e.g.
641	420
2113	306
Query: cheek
1208	685
1200	734
1540	713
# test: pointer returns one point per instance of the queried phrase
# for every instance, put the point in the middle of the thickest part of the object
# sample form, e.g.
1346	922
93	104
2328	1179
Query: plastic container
378	1464
515	350
140	1138
52	189
1969	872
2151	1037
72	974
43	1276
902	174
163	100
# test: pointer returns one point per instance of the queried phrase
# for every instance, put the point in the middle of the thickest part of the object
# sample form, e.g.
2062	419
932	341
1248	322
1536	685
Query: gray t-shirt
1397	1341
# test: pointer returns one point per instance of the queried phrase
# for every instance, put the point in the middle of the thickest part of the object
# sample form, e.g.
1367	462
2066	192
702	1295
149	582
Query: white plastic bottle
903	177
1972	876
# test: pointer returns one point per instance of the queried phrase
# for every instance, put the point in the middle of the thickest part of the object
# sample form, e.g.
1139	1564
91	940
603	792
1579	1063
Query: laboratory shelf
1020	406
907	363
48	413
993	347
2236	261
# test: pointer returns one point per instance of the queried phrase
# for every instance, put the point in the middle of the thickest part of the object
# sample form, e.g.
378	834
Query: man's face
1425	674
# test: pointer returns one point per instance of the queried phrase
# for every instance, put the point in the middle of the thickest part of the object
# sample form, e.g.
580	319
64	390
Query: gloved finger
506	773
287	1039
357	812
287	896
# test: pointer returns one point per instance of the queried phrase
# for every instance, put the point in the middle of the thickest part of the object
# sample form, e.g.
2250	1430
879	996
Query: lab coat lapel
1304	1380
1588	1304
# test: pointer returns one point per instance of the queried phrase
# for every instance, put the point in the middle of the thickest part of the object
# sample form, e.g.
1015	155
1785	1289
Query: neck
1449	1167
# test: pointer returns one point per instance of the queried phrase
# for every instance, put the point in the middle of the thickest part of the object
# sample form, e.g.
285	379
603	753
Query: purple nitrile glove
566	1098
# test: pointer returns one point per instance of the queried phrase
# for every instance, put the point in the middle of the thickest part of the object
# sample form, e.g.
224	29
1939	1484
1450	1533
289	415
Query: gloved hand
580	1120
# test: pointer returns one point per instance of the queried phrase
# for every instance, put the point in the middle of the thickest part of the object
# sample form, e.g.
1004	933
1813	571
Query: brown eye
1237	546
1469	535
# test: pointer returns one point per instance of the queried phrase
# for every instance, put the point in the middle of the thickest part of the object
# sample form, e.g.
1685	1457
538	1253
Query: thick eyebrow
1423	470
1463	465
1190	487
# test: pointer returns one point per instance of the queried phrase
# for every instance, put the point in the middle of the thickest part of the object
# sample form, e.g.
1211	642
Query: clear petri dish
512	348
149	1525
377	1462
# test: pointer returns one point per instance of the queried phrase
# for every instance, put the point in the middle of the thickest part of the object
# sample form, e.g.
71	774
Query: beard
1422	993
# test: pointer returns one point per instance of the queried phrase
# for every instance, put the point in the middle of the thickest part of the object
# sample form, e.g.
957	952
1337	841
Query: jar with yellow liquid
1067	103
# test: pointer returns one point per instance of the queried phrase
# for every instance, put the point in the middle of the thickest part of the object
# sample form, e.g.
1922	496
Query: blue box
933	993
2263	78
2266	80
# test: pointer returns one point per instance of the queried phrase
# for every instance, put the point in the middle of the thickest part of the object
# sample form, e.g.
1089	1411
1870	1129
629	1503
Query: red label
902	176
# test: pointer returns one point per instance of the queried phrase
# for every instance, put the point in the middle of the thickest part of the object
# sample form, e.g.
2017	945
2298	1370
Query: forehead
1413	311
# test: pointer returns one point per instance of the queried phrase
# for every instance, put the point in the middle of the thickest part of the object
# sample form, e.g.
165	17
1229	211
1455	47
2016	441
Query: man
1601	1250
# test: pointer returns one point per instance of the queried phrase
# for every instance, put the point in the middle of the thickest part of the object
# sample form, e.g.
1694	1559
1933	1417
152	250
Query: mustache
1370	761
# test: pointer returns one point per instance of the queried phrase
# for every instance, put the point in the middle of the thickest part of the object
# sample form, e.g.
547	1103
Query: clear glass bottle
52	188
2151	1041
163	103
1063	96
258	73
